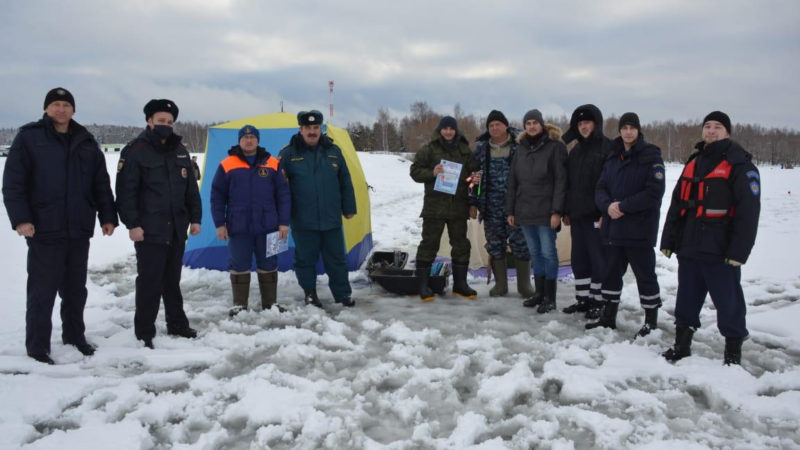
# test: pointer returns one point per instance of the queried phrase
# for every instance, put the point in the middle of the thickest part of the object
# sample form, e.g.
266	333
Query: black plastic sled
388	270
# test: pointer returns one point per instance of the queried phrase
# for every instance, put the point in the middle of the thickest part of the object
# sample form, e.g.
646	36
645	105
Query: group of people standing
55	183
526	185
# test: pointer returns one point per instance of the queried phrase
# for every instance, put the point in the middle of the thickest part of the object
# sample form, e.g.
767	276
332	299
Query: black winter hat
629	118
57	94
584	113
447	122
496	115
533	114
160	105
720	117
312	117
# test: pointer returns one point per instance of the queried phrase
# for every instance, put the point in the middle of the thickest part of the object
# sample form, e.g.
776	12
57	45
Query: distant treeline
676	139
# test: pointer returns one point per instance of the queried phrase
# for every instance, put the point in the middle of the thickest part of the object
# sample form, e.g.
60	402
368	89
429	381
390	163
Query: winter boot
608	318
500	269
549	302
683	345
268	286
595	309
524	278
312	299
581	305
536	299
423	273
240	285
733	351
460	286
650	322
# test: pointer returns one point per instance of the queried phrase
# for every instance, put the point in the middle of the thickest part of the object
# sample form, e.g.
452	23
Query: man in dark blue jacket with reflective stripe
711	225
54	184
322	193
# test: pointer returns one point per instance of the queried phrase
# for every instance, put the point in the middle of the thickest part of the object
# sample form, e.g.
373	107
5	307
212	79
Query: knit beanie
249	130
447	122
496	115
720	117
57	94
631	119
533	114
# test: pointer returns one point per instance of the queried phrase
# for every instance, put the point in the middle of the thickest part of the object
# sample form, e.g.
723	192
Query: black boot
733	351
460	286
423	273
650	322
312	299
683	345
549	302
608	318
581	305
538	295
595	309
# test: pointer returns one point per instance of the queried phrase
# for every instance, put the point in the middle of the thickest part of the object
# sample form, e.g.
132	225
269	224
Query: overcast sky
225	59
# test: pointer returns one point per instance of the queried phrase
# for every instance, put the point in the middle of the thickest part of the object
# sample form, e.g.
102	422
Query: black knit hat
160	105
447	122
57	94
533	114
496	115
720	117
629	118
312	117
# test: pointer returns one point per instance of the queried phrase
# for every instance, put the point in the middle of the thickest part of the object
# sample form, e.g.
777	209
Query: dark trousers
244	247
723	283
643	263
57	266
308	245
588	257
159	275
432	234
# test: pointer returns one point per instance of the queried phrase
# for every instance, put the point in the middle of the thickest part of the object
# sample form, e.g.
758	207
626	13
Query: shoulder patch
752	174
755	188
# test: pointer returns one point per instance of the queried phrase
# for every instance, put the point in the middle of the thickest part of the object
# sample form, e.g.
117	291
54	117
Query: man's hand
349	216
474	179
222	233
194	229
473	212
511	221
108	229
614	211
26	229
732	262
555	220
136	234
565	220
438	169
283	231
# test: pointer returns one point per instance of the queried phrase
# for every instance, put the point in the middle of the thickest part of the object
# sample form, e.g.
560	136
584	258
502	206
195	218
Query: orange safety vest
713	197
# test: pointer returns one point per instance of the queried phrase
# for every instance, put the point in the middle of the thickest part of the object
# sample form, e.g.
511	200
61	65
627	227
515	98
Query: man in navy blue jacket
55	183
249	199
629	194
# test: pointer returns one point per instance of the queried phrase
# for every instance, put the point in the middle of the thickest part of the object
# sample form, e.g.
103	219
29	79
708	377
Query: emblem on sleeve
755	188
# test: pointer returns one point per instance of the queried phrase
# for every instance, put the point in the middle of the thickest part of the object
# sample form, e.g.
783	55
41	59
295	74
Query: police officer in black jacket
54	184
158	200
711	225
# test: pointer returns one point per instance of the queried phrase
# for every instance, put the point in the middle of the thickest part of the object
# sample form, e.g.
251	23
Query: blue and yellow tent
205	250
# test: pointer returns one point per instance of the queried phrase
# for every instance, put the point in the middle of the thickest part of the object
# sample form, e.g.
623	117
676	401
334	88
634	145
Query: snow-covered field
397	373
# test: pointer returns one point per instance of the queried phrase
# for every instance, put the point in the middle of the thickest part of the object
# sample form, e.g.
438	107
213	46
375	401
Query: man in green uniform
441	208
322	193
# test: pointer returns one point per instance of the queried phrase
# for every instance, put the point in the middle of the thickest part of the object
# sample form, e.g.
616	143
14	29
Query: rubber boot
608	318
423	273
549	302
683	345
650	322
460	286
733	351
312	299
524	278
240	286
500	269
536	299
268	286
580	305
595	309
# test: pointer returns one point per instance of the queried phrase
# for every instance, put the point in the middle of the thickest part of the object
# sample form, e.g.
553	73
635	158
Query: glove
667	252
732	262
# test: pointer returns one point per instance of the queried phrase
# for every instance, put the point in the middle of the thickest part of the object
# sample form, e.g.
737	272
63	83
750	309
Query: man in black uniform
55	182
158	199
711	225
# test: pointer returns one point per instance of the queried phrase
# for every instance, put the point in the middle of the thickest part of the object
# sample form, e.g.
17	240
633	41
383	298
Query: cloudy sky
225	59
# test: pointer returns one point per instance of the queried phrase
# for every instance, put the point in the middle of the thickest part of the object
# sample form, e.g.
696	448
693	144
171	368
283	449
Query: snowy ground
396	373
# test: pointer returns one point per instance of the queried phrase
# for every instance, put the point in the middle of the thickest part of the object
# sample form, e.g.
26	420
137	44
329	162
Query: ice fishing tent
205	250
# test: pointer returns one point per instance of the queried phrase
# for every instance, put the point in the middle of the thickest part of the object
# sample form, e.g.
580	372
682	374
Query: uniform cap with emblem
57	94
160	105
249	130
312	117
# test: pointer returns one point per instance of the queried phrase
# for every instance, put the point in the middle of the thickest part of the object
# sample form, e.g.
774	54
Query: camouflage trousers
432	234
500	235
